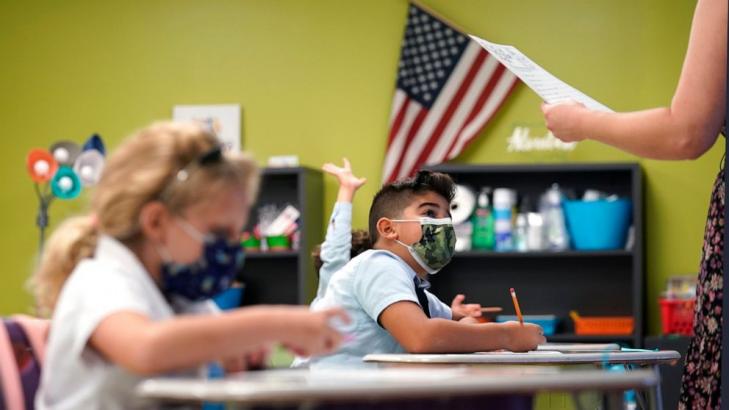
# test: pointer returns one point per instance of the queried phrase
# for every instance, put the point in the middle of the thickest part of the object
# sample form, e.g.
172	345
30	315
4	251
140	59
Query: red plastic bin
677	316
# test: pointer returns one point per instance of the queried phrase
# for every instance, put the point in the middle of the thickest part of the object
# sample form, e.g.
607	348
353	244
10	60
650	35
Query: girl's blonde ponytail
74	240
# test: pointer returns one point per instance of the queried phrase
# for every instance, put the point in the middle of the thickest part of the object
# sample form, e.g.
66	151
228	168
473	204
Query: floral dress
701	381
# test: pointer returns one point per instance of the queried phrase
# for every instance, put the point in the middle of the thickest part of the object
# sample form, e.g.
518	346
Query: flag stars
429	51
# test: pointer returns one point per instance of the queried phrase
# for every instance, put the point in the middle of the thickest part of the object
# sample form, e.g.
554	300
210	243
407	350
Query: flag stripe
394	151
465	110
504	88
480	103
402	106
409	134
397	101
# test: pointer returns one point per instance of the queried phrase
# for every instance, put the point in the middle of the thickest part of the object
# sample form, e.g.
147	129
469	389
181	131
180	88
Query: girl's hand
523	338
461	310
255	360
348	182
563	120
314	333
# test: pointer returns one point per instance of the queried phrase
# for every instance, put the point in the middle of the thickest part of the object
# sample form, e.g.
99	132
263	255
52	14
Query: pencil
516	306
491	309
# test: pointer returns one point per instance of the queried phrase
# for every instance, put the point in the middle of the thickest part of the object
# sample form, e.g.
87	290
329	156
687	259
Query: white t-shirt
75	376
365	287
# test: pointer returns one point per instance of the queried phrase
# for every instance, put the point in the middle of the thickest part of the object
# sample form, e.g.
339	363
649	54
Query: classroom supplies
547	322
579	347
602	325
532	357
677	316
600	224
483	222
516	305
463	204
504	202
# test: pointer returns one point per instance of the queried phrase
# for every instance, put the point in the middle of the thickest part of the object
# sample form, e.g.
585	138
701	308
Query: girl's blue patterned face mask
211	274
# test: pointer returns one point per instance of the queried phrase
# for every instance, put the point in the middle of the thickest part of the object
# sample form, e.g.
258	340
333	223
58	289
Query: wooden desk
309	388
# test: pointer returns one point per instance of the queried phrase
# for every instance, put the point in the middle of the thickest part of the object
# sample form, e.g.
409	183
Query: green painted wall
315	78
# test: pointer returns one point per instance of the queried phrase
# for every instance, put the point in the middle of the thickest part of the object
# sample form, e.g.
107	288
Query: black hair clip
213	156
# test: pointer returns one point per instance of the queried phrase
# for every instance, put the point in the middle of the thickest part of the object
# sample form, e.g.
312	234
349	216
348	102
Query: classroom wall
315	78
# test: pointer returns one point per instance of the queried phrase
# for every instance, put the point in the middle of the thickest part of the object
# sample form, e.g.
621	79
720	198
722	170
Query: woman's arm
142	346
687	128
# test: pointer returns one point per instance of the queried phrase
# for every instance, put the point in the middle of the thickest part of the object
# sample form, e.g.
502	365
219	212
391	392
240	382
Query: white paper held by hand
550	88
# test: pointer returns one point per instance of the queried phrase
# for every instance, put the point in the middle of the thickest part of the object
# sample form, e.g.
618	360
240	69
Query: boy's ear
153	219
385	229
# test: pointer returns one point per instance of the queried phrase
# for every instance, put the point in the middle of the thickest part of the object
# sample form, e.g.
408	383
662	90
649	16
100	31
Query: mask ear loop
190	230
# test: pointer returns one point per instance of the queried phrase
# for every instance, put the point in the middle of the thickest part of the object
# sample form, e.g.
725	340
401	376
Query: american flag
448	88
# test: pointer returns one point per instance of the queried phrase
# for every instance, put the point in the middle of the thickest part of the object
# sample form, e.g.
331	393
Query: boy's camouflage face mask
437	245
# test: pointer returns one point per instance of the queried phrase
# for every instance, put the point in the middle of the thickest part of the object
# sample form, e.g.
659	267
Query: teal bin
598	225
547	322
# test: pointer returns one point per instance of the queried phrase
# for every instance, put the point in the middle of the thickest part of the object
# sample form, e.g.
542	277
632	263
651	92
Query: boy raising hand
384	290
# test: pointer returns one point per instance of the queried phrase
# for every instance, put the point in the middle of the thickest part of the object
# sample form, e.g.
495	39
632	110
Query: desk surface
301	385
534	357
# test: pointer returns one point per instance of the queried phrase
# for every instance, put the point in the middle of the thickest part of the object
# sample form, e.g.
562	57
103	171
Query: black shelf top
571	337
271	254
532	168
286	170
545	254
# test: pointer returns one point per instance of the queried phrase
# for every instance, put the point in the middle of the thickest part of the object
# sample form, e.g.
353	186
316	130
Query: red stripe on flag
480	102
425	152
411	134
398	121
498	107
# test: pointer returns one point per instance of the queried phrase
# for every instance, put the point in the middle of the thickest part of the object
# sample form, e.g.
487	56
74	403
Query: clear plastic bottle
557	238
503	203
521	233
482	237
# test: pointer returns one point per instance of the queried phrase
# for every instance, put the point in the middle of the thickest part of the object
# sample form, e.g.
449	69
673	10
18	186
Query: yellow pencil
516	306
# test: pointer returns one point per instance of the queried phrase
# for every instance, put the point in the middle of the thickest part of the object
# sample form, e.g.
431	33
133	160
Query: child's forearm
189	341
346	194
447	336
144	347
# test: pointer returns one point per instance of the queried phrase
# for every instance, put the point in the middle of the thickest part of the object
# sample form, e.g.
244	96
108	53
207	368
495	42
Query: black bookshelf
286	277
595	283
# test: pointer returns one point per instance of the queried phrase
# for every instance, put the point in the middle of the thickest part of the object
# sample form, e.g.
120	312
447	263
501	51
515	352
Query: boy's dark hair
394	197
360	243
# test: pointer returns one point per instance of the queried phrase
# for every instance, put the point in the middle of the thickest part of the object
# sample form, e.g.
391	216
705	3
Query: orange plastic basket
602	325
677	316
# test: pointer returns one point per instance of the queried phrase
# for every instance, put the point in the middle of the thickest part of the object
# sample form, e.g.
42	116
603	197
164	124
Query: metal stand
44	202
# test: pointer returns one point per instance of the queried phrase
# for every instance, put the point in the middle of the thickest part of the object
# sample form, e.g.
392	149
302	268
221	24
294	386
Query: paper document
547	86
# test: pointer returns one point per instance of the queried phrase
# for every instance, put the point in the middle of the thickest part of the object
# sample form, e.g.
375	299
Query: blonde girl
127	285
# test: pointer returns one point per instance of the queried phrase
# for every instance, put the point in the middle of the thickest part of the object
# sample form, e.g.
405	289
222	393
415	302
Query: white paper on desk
547	86
529	353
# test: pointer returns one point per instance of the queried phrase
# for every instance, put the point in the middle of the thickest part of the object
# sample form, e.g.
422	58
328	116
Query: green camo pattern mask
437	245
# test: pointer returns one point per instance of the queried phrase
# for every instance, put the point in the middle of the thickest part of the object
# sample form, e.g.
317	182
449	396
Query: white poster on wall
223	120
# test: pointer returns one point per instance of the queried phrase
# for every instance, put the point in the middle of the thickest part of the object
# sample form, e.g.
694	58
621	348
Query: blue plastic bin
598	225
230	298
547	322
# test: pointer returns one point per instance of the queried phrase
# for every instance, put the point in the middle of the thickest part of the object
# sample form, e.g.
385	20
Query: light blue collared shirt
365	287
337	247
